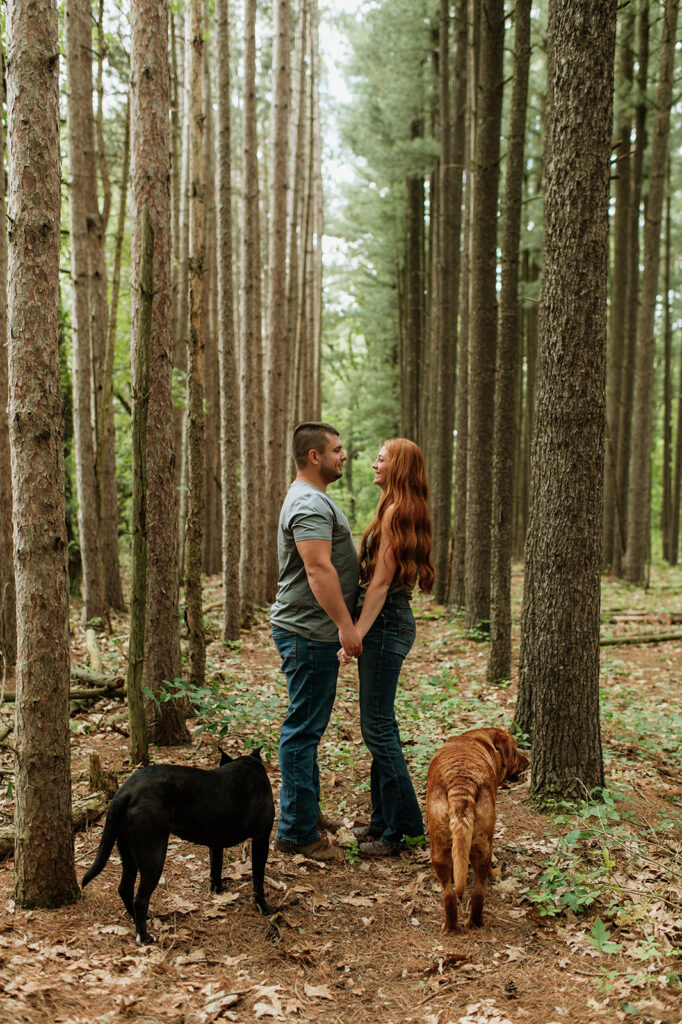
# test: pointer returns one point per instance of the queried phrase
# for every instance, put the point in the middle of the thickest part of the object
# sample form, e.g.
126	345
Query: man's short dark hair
311	435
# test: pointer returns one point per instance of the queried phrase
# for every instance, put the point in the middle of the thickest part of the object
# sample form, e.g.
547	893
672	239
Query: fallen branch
114	689
85	810
640	638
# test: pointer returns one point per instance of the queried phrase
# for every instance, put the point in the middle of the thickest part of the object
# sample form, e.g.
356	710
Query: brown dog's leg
480	863
443	869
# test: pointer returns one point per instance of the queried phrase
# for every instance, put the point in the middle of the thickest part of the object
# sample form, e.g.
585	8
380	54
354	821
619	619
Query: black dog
215	808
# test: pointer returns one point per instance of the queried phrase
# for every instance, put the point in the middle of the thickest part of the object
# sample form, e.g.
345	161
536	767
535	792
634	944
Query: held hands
351	642
344	657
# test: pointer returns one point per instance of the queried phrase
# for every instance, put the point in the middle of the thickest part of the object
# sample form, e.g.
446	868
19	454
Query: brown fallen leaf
317	991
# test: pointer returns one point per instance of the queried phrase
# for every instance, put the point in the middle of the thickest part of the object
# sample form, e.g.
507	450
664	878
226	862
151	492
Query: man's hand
350	640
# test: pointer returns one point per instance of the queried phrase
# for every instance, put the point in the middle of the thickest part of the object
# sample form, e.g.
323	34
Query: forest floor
582	920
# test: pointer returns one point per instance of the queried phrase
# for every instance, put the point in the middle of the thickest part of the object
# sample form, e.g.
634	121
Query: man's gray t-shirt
308	514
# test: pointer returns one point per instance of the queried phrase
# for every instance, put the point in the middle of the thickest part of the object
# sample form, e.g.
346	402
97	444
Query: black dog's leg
216	858
259	855
126	889
150	863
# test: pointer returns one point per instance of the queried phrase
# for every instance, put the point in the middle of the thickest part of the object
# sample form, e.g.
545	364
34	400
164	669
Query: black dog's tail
106	844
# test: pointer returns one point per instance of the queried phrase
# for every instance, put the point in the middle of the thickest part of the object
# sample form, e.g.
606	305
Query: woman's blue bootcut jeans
395	809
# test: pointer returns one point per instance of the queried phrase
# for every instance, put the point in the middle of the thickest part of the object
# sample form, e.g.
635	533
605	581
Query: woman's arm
384	571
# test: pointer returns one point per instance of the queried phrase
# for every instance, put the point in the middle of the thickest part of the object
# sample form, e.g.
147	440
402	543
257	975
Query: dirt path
362	941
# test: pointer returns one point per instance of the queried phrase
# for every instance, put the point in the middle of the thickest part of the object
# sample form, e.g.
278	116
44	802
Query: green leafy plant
601	938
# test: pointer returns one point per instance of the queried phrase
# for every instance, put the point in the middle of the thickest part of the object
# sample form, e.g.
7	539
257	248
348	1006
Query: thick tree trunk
276	440
78	39
560	655
252	405
642	433
483	314
499	658
8	609
44	859
149	174
194	526
227	343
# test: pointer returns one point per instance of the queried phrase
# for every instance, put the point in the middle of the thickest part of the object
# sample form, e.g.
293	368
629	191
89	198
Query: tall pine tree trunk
499	658
149	176
227	342
44	858
483	314
194	526
277	440
252	406
78	38
637	550
8	608
560	655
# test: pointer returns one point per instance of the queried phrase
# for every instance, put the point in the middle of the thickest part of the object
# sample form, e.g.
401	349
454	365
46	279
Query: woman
394	557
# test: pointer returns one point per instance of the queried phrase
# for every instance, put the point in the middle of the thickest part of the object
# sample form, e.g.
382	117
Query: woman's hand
344	657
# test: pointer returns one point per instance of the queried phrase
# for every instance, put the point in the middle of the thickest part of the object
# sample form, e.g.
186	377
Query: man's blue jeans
395	809
311	668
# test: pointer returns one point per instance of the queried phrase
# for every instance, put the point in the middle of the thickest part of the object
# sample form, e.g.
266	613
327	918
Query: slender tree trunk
44	858
229	385
483	330
8	609
139	740
78	37
252	406
102	344
452	160
411	367
194	526
677	478
108	388
295	215
466	40
561	612
638	492
499	659
276	442
149	174
632	301
618	306
667	383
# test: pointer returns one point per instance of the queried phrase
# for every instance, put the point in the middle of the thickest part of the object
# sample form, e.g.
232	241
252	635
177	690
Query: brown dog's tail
461	811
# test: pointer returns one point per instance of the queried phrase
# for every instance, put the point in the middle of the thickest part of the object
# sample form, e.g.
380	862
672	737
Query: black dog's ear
255	752
224	758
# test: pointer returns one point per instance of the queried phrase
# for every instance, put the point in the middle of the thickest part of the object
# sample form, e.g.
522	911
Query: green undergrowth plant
229	708
605	859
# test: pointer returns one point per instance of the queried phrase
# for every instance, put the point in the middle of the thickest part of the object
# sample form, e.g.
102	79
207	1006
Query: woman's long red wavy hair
407	491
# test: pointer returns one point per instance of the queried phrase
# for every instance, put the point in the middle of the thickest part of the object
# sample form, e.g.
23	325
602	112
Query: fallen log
85	810
86	675
87	693
640	638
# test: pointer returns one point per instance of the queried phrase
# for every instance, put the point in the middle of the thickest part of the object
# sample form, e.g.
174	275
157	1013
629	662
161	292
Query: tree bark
78	40
642	433
149	175
194	526
666	498
276	444
618	305
483	314
8	609
632	300
252	405
227	342
139	738
560	642
44	858
499	657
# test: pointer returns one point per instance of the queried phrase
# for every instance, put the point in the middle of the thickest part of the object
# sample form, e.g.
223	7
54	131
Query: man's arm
324	583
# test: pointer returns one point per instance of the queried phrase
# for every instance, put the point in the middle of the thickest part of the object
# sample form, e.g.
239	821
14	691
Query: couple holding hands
323	586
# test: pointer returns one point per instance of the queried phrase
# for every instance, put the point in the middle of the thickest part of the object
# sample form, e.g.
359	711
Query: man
311	618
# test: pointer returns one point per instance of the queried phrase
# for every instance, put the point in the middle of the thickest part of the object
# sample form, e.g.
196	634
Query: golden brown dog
460	810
